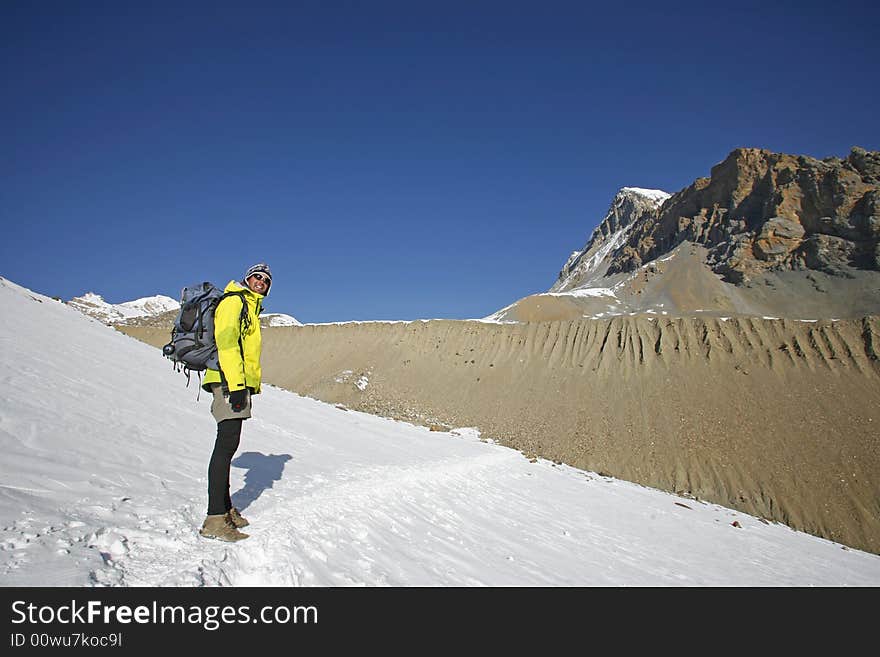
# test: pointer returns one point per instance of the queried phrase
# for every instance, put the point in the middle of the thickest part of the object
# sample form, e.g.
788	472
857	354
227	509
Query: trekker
239	344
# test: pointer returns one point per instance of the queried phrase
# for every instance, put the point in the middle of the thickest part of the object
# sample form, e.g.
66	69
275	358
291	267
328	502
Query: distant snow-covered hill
157	311
279	319
95	306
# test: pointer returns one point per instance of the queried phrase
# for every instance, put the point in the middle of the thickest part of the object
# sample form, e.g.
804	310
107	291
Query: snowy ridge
280	319
656	195
95	306
154	305
335	497
496	317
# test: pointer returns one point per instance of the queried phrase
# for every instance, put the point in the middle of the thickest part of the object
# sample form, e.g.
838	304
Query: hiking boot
237	519
221	528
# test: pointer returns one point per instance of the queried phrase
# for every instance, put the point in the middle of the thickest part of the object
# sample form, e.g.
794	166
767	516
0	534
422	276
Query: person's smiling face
258	282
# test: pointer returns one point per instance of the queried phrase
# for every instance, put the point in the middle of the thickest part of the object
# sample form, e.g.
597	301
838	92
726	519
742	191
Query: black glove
238	400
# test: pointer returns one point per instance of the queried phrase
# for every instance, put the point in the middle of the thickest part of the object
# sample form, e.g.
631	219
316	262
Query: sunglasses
261	277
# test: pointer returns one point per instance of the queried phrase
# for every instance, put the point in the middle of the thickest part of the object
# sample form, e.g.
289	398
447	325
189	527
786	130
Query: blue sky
389	160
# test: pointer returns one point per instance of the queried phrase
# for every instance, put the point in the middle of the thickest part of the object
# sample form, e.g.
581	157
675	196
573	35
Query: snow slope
103	477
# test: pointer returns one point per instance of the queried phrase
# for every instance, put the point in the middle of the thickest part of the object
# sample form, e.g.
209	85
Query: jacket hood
235	286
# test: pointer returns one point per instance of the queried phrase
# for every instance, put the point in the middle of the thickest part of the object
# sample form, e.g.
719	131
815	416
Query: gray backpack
192	347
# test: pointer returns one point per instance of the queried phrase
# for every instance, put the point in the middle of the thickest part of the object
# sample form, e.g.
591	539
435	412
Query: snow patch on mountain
498	317
280	319
594	261
584	292
154	305
657	195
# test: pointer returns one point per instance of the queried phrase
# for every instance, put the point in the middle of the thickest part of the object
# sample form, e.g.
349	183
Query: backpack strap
245	324
245	317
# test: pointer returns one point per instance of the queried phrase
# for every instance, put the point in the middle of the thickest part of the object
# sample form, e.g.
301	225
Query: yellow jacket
240	363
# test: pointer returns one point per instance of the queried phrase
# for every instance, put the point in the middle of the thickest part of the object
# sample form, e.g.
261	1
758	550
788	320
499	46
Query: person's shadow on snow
262	473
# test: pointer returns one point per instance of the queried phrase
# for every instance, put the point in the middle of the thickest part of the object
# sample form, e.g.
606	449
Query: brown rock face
764	211
778	238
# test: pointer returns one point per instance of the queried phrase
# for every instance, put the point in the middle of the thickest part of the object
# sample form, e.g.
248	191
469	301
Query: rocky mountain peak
628	206
867	163
761	211
765	234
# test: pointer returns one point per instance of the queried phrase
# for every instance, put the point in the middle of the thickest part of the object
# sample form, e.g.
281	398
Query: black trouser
228	437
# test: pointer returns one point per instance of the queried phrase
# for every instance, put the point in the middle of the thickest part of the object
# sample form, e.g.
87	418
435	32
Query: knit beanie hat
259	268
